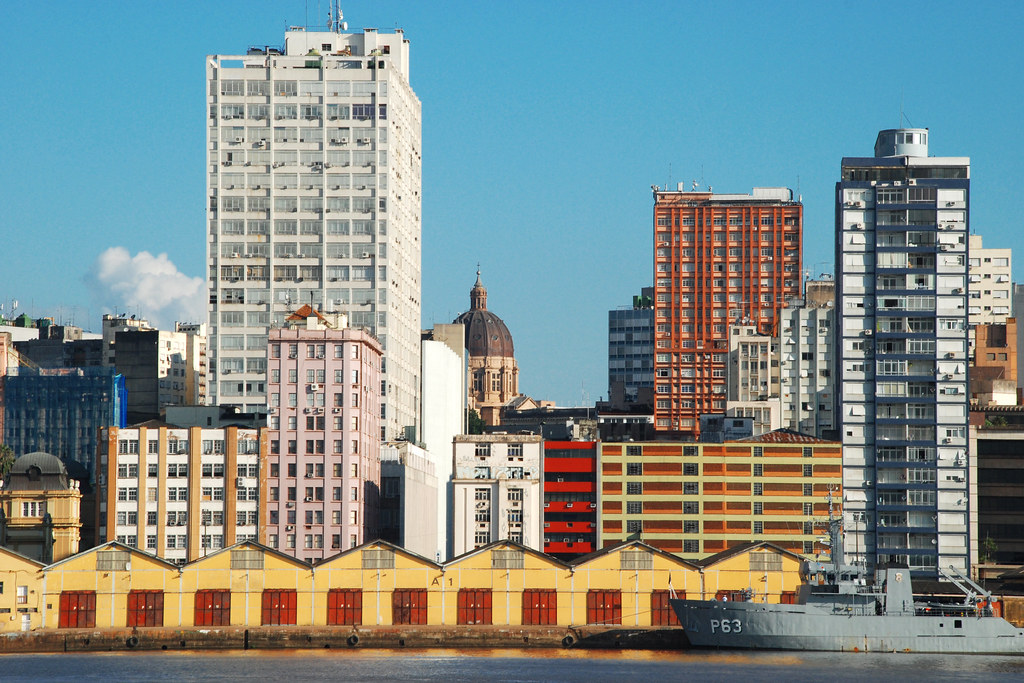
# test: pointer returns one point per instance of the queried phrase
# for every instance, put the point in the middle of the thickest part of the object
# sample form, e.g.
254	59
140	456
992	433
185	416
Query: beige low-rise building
40	509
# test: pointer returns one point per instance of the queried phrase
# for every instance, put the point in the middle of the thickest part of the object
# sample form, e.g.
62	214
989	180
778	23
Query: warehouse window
246	559
378	559
635	559
507	559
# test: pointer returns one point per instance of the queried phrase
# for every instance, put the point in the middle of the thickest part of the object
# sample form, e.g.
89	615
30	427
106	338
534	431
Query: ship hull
762	626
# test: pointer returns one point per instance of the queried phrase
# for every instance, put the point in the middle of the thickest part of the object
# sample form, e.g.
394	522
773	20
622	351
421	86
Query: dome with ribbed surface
486	333
37	471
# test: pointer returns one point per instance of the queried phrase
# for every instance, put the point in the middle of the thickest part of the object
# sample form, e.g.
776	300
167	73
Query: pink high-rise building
324	465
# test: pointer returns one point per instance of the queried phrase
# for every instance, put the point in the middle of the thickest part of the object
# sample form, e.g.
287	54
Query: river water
585	666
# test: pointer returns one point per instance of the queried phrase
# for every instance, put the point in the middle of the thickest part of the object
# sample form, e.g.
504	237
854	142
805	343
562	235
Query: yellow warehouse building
248	585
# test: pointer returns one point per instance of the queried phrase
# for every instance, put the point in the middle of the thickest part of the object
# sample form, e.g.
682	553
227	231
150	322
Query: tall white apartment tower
901	346
313	173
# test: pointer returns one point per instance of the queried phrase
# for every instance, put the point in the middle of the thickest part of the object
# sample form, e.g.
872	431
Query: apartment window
758	489
634	488
758	508
691	527
690	469
758	470
634	469
808	489
808	470
691	508
691	546
634	508
634	526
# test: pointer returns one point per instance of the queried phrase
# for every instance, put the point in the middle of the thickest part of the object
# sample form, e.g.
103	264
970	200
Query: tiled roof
784	436
305	311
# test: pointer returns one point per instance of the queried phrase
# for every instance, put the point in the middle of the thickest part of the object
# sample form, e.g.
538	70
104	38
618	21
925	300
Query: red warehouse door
409	607
474	606
77	609
344	607
145	608
279	607
604	607
661	610
213	608
540	607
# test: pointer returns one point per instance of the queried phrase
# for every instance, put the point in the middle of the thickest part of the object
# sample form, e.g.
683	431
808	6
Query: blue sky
544	126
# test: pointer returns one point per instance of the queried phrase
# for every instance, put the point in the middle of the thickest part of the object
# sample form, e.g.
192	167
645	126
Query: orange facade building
719	259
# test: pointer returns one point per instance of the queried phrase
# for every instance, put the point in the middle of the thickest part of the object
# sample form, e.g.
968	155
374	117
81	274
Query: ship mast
835	533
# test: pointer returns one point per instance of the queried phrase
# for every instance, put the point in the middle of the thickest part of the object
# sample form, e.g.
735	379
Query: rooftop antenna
903	116
669	183
335	18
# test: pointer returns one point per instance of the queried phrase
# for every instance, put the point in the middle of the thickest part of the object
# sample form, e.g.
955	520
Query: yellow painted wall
279	572
16	571
79	573
472	571
506	585
378	585
737	573
604	572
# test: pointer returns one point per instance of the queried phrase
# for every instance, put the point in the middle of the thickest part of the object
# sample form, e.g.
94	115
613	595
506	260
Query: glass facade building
60	410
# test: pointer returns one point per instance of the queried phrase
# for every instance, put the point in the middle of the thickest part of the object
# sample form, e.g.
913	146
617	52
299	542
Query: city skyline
770	112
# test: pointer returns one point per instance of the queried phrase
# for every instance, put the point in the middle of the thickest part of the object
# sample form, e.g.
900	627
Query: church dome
486	333
37	471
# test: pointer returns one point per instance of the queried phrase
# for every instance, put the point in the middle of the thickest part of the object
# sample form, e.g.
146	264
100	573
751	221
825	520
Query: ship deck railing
952	611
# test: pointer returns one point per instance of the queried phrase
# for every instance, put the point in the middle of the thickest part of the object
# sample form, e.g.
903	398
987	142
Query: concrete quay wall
343	637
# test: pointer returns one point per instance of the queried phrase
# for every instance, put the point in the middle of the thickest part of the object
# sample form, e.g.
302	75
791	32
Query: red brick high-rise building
719	258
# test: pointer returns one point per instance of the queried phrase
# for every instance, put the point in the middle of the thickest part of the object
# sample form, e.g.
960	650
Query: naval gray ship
837	609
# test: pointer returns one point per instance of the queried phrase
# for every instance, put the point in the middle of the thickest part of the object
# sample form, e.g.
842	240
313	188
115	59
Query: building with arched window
493	373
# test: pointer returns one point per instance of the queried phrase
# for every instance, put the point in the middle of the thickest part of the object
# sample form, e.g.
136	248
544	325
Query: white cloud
147	285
